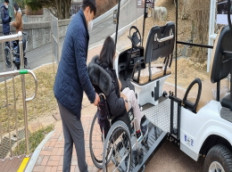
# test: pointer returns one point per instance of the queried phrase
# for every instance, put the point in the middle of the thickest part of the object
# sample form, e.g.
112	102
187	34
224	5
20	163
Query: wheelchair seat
221	63
103	88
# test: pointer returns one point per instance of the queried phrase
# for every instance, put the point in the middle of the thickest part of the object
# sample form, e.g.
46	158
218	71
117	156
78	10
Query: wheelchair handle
102	95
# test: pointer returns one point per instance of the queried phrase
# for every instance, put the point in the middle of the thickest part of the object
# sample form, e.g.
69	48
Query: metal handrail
164	39
6	38
22	72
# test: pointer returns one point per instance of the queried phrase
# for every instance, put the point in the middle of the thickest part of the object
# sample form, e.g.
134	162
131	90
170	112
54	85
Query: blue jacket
72	76
5	19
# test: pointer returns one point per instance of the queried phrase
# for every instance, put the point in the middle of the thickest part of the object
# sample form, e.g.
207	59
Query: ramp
155	138
158	122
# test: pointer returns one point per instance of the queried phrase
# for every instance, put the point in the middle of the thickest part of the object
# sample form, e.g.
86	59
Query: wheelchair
116	149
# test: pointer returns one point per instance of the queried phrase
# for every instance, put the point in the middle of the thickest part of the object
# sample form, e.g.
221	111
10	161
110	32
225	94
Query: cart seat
160	44
227	102
221	62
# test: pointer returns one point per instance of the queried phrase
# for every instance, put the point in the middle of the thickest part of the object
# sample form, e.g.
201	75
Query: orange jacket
18	23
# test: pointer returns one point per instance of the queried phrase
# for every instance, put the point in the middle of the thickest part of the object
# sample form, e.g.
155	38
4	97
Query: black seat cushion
227	102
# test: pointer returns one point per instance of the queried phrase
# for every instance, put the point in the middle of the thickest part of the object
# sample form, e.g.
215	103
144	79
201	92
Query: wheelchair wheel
96	143
7	57
117	149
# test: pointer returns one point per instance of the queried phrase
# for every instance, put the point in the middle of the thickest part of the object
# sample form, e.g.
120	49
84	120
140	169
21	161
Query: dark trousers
73	134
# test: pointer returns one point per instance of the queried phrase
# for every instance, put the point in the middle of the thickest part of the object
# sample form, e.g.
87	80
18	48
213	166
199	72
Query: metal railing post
24	96
21	54
15	112
21	72
25	113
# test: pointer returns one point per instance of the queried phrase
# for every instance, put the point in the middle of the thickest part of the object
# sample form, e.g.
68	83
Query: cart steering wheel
229	18
135	38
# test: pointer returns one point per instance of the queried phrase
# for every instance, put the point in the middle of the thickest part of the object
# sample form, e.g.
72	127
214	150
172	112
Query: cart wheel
96	143
117	149
7	57
219	158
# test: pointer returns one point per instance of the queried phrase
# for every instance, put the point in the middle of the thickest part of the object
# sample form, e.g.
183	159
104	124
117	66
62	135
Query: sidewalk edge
36	153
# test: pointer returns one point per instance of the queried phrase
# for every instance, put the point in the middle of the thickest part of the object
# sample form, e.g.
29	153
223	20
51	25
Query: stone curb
36	153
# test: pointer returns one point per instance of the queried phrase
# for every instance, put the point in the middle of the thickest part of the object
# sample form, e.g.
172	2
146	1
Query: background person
6	19
18	23
71	80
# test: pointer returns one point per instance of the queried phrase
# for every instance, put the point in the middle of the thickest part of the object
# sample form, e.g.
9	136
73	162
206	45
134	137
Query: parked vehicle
198	131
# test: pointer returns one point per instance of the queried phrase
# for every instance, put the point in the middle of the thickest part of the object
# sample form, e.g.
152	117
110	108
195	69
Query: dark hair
16	6
91	4
107	52
7	1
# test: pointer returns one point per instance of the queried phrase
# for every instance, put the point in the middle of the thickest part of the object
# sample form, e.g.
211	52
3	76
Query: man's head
6	2
89	8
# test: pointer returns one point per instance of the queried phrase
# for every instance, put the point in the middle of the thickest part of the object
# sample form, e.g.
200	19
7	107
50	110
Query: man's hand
97	100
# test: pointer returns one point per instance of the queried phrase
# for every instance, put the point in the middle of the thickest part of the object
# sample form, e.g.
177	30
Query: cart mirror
115	14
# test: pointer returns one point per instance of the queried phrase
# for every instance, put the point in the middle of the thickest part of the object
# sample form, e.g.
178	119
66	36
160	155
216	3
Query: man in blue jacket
72	80
6	19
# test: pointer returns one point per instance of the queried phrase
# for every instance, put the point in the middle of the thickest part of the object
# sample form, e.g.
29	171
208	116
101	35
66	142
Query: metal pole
24	97
144	20
15	113
25	113
118	14
177	2
212	35
21	54
4	58
195	45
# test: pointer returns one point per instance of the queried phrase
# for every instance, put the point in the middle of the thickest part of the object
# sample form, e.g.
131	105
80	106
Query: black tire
117	155
96	143
218	155
8	58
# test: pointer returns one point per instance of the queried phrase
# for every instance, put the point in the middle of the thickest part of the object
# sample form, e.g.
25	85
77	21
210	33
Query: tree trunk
63	8
200	19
